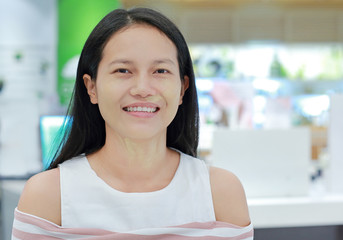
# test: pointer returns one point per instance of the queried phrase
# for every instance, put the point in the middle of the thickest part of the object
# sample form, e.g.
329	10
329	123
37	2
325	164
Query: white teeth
141	109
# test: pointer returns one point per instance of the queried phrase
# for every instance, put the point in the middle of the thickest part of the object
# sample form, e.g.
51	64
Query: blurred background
269	75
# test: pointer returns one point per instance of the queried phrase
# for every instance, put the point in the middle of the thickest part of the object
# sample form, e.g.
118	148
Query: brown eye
122	70
161	71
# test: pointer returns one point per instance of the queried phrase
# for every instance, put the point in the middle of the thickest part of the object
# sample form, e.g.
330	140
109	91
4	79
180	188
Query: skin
143	71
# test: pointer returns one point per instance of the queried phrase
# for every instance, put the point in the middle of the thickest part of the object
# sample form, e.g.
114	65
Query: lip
141	114
149	105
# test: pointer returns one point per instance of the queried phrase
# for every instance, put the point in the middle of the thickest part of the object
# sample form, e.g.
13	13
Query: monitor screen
50	133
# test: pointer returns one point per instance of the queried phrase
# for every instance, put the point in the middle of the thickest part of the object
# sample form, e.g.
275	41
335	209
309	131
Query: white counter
296	211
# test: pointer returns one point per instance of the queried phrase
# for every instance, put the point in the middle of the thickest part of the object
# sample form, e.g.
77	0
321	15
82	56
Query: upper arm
229	200
41	196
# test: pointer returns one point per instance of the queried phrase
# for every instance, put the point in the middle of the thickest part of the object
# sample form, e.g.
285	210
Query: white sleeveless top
88	202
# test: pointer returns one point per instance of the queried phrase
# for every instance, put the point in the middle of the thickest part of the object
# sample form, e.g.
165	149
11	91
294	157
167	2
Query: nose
142	87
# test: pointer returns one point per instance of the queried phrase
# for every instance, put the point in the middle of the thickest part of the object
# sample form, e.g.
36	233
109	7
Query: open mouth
141	109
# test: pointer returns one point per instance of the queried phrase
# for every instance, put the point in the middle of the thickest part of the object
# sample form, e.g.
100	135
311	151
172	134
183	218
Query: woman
128	160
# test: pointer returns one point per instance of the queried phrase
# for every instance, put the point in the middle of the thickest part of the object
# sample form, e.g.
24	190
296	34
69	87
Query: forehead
139	39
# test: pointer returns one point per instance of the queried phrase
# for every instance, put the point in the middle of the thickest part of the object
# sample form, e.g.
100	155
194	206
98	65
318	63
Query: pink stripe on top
27	226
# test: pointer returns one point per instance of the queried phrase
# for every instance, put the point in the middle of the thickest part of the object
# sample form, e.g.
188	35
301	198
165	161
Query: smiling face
138	86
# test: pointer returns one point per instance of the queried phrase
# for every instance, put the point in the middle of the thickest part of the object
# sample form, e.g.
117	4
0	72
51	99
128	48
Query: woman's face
138	86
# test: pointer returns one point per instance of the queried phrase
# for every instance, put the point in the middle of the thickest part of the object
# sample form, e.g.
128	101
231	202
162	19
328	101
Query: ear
184	87
91	88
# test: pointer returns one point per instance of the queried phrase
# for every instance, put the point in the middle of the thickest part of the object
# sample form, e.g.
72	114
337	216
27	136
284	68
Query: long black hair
85	130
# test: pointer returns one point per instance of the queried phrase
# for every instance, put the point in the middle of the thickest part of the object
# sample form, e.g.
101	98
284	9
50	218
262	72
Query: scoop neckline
166	188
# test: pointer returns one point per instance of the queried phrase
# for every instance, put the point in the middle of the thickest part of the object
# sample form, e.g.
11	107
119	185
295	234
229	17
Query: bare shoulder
41	196
230	204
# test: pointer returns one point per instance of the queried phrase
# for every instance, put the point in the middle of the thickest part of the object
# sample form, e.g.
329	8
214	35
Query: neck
140	154
132	165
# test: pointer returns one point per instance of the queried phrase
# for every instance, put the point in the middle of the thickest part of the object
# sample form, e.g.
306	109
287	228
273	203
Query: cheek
108	89
108	97
174	97
172	89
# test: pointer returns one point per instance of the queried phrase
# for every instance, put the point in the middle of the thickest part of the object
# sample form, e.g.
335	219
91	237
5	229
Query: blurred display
51	132
267	86
290	83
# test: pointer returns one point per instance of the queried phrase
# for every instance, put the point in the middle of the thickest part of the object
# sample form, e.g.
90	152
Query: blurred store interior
269	75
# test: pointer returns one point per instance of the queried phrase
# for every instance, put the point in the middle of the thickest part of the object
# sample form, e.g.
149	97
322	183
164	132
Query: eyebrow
158	61
123	61
164	60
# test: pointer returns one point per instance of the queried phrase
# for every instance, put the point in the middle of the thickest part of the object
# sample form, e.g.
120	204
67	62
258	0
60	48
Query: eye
161	71
122	70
